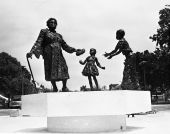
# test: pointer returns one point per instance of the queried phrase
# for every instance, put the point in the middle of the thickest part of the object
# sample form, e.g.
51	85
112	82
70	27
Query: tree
162	37
13	77
153	70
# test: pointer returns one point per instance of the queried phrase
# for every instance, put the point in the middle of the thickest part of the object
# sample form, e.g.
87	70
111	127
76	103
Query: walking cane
31	73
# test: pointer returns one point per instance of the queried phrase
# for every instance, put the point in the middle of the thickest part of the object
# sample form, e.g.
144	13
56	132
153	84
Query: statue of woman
130	79
49	44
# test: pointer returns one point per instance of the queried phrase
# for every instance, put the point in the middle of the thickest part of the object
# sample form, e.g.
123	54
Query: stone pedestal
93	111
85	124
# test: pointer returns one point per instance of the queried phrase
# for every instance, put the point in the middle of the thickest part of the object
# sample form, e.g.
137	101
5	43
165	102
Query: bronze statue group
50	44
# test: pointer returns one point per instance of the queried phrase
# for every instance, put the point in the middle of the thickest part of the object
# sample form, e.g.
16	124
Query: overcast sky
83	24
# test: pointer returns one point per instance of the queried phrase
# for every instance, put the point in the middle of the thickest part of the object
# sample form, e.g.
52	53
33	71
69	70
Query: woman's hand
102	67
81	62
29	55
80	52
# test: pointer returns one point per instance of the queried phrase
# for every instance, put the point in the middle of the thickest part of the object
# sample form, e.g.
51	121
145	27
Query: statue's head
120	34
92	51
52	23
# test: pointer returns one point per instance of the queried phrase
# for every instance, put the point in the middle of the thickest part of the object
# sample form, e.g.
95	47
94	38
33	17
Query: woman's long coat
49	45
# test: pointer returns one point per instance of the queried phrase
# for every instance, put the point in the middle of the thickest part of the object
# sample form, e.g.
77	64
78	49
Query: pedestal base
97	111
86	124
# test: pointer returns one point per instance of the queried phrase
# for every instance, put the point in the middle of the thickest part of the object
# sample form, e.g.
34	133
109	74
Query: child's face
92	52
118	36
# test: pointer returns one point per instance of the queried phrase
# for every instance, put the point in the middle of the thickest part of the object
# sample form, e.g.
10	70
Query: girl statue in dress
90	70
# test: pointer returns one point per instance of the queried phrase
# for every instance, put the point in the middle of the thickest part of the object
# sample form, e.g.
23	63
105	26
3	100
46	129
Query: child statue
90	70
130	79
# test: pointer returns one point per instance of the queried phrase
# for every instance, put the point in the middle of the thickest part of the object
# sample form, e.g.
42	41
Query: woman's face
52	24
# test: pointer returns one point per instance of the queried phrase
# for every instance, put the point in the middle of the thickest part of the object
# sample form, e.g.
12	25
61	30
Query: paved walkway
141	124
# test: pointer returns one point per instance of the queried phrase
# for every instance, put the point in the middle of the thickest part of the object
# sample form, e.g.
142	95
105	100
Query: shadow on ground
44	130
33	130
132	128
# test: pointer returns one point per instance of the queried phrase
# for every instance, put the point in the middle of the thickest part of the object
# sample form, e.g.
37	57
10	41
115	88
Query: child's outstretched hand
110	56
106	54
